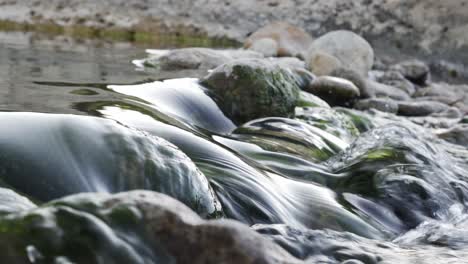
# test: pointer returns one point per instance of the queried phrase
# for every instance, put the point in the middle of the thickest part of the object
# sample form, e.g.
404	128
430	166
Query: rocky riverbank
431	28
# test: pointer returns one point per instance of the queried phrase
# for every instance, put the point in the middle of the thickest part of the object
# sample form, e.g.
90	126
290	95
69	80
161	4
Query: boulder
131	227
345	47
251	88
420	108
290	40
365	90
414	70
381	104
335	91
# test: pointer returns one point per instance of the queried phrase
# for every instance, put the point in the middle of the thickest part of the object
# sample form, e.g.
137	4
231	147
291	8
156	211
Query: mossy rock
251	88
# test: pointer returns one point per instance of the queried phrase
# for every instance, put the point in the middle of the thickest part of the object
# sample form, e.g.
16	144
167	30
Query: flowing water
79	117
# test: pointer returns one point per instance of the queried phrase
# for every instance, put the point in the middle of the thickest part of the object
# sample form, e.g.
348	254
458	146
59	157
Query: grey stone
414	70
291	41
381	104
251	88
335	91
351	50
354	77
387	91
397	80
420	108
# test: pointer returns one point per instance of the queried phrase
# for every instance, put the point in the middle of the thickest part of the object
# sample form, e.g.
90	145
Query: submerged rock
69	154
335	91
132	227
348	48
249	89
290	40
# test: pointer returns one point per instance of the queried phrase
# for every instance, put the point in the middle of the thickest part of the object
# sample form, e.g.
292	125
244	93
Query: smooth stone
387	91
381	104
266	46
251	88
291	41
397	80
309	100
350	49
420	108
414	70
322	64
335	91
196	58
354	77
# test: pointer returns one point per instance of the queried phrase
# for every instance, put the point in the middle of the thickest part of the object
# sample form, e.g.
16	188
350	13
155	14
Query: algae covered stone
248	89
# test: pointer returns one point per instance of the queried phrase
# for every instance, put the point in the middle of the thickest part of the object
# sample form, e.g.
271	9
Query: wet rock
303	78
291	41
132	227
70	154
249	89
309	100
11	202
395	175
414	70
351	50
397	80
354	77
456	135
266	46
387	91
381	104
195	58
335	91
420	108
444	93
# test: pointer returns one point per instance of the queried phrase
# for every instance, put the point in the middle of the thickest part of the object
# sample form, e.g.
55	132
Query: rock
442	92
266	46
335	91
387	91
381	104
249	89
397	80
288	62
309	100
456	135
354	77
420	108
291	41
131	227
351	50
303	77
414	70
195	58
323	64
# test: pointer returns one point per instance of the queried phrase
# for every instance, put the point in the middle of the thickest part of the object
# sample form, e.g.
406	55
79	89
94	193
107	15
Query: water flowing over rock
72	154
350	50
249	89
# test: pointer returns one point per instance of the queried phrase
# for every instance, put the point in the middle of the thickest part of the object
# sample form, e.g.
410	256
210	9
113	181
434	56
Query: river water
328	185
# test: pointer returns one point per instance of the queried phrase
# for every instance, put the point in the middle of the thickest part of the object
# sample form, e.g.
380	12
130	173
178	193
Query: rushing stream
328	185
